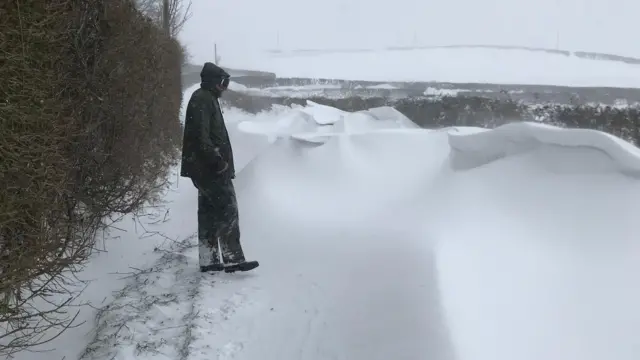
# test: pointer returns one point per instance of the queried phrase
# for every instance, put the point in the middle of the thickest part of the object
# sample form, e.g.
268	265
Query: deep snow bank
373	246
316	122
483	146
470	147
345	269
534	242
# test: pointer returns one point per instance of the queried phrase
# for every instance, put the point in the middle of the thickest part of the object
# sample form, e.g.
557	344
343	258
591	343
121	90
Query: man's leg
207	239
228	226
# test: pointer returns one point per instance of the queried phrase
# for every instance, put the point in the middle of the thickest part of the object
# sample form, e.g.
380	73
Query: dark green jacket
206	149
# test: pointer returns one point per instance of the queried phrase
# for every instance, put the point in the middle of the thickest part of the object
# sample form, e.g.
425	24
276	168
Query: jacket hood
212	72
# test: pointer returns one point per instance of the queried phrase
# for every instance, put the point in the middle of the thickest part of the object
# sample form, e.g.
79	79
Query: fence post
165	17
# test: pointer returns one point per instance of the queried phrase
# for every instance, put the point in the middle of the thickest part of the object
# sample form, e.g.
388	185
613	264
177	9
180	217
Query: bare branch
179	13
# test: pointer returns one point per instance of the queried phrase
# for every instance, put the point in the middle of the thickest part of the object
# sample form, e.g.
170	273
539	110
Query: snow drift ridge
553	147
484	146
470	147
522	252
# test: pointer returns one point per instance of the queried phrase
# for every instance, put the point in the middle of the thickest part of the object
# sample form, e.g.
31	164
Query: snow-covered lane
312	302
334	284
378	240
340	277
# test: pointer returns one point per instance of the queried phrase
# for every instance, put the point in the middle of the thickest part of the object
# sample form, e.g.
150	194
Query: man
207	158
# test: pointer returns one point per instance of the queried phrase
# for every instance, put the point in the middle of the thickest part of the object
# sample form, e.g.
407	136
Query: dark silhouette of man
207	158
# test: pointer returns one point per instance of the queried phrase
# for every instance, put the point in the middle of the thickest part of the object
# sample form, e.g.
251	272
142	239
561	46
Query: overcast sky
242	28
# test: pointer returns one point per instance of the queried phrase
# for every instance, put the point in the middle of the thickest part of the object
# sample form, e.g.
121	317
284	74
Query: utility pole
558	24
165	17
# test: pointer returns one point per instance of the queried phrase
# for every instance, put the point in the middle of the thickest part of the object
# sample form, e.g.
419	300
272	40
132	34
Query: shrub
89	127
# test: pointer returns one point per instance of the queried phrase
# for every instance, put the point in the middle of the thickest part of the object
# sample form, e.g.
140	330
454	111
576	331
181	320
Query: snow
382	86
303	91
316	122
380	240
128	245
458	65
336	91
476	149
431	91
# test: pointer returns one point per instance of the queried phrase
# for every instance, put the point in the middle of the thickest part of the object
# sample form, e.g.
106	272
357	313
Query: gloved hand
226	166
221	160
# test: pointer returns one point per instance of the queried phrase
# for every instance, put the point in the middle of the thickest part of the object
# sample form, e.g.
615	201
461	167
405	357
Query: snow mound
300	119
286	124
390	242
316	123
237	87
535	256
470	147
372	120
323	114
484	146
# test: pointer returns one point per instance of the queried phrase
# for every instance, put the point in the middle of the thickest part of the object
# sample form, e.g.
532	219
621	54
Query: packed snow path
331	285
402	244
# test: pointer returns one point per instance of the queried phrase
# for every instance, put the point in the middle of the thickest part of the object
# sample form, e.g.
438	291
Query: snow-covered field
338	92
379	240
457	65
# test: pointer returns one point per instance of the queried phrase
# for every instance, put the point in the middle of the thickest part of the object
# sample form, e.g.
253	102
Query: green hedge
89	127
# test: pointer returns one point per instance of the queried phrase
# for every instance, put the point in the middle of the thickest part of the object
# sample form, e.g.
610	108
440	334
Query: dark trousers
218	224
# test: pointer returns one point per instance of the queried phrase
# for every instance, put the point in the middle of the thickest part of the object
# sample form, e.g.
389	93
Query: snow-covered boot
240	266
212	267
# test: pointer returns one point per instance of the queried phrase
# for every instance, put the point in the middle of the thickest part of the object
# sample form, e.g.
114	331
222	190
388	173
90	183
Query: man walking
207	158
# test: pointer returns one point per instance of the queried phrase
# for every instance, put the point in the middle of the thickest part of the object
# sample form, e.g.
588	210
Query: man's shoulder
201	96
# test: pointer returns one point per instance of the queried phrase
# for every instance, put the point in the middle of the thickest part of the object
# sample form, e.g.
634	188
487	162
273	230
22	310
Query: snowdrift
469	147
484	146
379	240
316	123
530	230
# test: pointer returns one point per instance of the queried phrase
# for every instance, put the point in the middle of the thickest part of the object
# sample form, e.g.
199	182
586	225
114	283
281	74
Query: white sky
242	28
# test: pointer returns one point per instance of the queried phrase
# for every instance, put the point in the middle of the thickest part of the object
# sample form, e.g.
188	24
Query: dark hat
212	71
